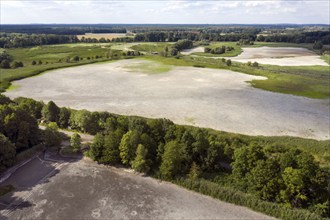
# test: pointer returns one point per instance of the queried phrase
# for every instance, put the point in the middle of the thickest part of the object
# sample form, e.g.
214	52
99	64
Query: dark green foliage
85	121
228	62
33	62
183	44
52	136
318	45
30	105
4	55
7	153
234	196
140	163
128	146
50	112
173	160
4	100
75	58
75	142
5	64
18	126
64	117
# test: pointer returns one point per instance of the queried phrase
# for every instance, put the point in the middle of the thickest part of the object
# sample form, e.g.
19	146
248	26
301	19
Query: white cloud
185	11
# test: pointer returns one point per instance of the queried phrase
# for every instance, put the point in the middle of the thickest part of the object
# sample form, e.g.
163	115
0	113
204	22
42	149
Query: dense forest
276	173
33	35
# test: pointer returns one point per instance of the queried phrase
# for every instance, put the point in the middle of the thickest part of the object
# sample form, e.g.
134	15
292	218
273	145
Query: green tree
140	162
128	145
264	179
7	153
52	136
228	62
75	58
33	62
64	117
173	160
97	147
293	195
75	142
50	112
5	64
110	153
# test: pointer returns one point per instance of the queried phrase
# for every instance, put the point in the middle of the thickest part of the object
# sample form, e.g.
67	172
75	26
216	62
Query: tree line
26	40
270	172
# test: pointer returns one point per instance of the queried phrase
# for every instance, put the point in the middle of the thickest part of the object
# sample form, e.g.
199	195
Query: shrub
5	64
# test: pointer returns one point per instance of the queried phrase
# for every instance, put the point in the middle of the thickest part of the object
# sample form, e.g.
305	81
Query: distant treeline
61	29
8	40
305	37
26	40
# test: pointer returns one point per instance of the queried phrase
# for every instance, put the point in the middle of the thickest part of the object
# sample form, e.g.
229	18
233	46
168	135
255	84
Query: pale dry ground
85	190
281	56
219	99
109	36
193	50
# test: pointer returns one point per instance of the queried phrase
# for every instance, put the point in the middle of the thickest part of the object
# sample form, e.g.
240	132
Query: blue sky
177	12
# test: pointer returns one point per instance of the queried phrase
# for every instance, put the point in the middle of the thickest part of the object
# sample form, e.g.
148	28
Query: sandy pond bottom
218	99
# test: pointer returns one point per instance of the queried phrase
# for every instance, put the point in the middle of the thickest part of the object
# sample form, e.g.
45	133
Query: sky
165	12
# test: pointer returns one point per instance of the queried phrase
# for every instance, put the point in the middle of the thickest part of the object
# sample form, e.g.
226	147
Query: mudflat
219	99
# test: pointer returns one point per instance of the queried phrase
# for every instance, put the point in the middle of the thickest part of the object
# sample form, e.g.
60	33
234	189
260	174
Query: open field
218	99
98	36
55	192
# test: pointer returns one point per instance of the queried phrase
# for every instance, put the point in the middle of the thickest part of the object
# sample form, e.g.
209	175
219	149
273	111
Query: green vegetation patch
235	52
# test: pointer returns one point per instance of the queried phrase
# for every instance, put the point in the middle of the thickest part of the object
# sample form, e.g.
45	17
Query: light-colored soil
85	190
193	50
218	99
281	56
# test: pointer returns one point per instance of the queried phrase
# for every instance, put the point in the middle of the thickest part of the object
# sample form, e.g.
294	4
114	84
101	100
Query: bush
228	62
5	64
34	62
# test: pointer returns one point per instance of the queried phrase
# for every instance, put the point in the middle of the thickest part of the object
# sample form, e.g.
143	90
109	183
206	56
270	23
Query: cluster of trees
183	44
132	53
18	128
8	40
304	37
218	50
